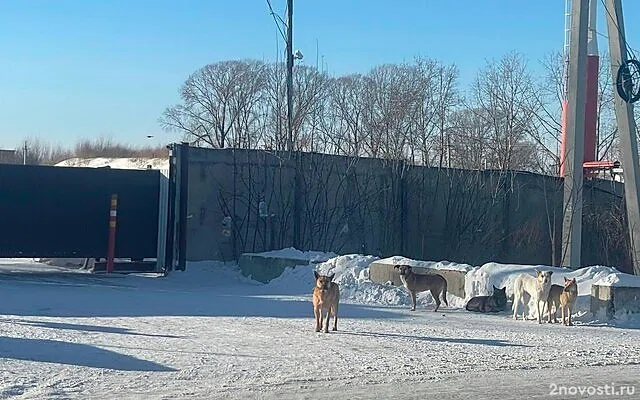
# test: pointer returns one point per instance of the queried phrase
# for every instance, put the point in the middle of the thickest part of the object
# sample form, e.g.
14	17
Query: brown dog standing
326	296
554	300
568	298
416	283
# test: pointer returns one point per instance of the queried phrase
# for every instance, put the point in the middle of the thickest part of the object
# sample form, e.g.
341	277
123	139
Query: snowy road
610	382
212	336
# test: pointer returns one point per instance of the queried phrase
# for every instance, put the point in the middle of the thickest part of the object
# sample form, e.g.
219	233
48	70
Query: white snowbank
479	281
32	266
619	279
118	163
352	274
396	260
295	254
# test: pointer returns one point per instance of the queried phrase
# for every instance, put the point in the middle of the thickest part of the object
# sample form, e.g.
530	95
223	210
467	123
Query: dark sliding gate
59	212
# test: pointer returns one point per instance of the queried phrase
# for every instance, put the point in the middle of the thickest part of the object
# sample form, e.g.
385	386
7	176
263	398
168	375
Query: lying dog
495	303
568	299
554	300
326	296
416	283
526	286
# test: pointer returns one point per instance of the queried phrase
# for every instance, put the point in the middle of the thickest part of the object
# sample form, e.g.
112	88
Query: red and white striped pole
591	106
113	213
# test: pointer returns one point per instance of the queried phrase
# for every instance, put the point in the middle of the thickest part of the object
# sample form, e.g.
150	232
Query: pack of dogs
326	296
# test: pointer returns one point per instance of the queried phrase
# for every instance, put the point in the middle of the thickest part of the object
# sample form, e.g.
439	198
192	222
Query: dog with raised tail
416	283
326	296
526	286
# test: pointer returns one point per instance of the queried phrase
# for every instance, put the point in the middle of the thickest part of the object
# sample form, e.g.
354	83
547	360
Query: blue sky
73	69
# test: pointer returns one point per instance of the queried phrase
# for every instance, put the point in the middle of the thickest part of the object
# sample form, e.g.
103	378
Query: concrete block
382	272
614	301
263	268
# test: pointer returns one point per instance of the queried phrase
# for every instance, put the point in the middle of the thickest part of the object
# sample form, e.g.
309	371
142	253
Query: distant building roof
8	156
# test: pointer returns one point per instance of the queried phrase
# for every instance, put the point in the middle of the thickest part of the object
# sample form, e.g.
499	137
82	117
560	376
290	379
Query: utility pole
290	75
626	129
574	148
24	153
296	178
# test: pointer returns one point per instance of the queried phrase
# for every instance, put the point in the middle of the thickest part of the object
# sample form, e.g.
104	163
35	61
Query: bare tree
39	152
311	89
390	98
438	85
343	126
504	96
219	103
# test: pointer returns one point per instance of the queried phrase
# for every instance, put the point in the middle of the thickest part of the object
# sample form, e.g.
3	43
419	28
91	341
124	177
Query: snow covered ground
118	163
211	333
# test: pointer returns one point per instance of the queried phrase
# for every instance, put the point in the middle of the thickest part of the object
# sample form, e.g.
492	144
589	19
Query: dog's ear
550	273
331	276
396	267
538	272
495	288
315	273
566	280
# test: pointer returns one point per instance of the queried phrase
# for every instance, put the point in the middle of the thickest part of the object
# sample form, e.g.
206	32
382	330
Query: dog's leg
413	301
326	322
570	311
317	312
538	309
514	306
436	297
549	310
335	317
564	322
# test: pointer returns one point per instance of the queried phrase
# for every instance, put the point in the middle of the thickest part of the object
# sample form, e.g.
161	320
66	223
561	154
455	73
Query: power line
277	19
615	23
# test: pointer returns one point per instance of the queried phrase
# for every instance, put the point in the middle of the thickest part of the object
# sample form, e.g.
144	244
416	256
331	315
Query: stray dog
326	296
568	299
526	286
554	300
416	283
495	303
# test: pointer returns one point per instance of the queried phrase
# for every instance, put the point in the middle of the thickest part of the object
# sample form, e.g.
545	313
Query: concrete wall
383	273
263	269
385	208
614	301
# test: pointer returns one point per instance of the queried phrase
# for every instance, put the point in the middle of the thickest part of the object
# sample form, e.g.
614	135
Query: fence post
113	213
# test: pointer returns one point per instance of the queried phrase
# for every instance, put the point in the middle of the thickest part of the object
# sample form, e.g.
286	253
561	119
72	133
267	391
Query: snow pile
118	163
399	260
352	275
295	254
32	266
619	279
479	281
210	273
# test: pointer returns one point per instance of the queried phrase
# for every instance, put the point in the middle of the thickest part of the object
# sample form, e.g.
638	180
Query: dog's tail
444	293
